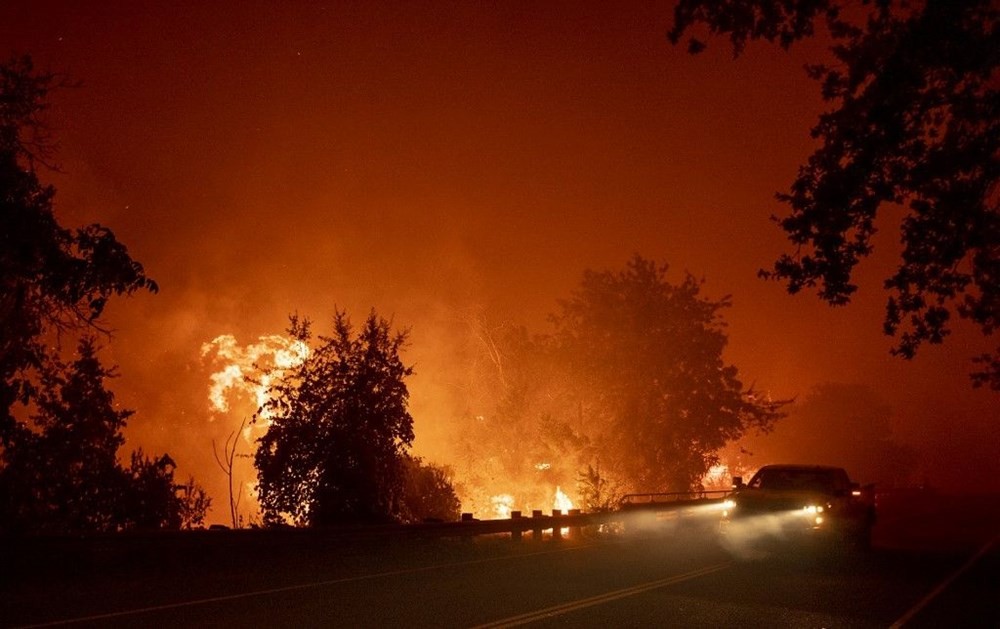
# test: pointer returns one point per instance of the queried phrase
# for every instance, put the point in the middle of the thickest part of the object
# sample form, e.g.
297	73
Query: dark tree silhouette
429	493
193	504
59	471
52	280
226	463
915	122
649	379
340	427
59	428
597	493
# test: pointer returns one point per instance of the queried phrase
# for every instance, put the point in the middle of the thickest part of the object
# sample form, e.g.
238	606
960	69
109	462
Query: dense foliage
627	393
428	493
52	279
651	385
916	123
59	428
339	427
59	471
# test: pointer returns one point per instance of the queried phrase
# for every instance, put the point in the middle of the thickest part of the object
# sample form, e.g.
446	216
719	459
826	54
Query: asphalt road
930	568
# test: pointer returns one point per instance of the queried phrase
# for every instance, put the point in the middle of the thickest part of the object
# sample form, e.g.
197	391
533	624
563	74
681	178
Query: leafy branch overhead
915	123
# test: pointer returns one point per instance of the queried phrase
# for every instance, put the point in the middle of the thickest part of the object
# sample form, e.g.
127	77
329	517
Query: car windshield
802	479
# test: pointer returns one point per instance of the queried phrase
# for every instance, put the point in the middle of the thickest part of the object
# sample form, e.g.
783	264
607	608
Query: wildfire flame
503	504
250	370
716	476
562	501
239	386
243	375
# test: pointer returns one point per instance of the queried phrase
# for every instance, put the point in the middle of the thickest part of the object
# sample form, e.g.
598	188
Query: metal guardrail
519	523
44	553
672	500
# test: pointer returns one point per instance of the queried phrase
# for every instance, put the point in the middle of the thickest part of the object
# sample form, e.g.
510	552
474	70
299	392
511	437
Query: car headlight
813	509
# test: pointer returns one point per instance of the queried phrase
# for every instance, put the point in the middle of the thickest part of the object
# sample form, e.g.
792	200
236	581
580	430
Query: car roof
801	467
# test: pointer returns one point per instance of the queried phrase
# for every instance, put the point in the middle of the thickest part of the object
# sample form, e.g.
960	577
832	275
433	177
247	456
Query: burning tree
339	427
516	445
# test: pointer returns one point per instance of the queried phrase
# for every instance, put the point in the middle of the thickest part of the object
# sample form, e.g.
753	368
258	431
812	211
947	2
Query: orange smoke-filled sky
429	158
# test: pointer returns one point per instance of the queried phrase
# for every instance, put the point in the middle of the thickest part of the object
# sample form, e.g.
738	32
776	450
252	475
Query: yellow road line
600	599
941	587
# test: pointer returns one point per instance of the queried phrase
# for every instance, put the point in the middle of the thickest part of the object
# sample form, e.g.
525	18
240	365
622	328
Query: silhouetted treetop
60	429
650	376
915	123
52	279
59	471
23	94
339	427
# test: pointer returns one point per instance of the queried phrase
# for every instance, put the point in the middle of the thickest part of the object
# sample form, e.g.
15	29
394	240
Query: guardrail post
515	531
556	530
575	532
536	526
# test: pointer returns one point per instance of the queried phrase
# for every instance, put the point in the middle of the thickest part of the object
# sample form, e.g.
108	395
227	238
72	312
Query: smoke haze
437	162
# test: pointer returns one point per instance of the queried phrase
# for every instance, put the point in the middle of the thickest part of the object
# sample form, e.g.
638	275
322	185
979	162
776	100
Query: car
794	502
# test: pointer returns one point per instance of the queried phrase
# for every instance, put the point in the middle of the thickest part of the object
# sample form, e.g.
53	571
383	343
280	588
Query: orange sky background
432	158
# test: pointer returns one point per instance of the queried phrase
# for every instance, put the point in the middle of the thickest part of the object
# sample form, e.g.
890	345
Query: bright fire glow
503	504
250	370
562	501
717	476
239	387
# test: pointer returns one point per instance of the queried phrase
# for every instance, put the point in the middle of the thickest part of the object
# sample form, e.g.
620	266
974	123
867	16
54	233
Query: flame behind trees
334	450
631	382
255	376
240	386
520	440
651	382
